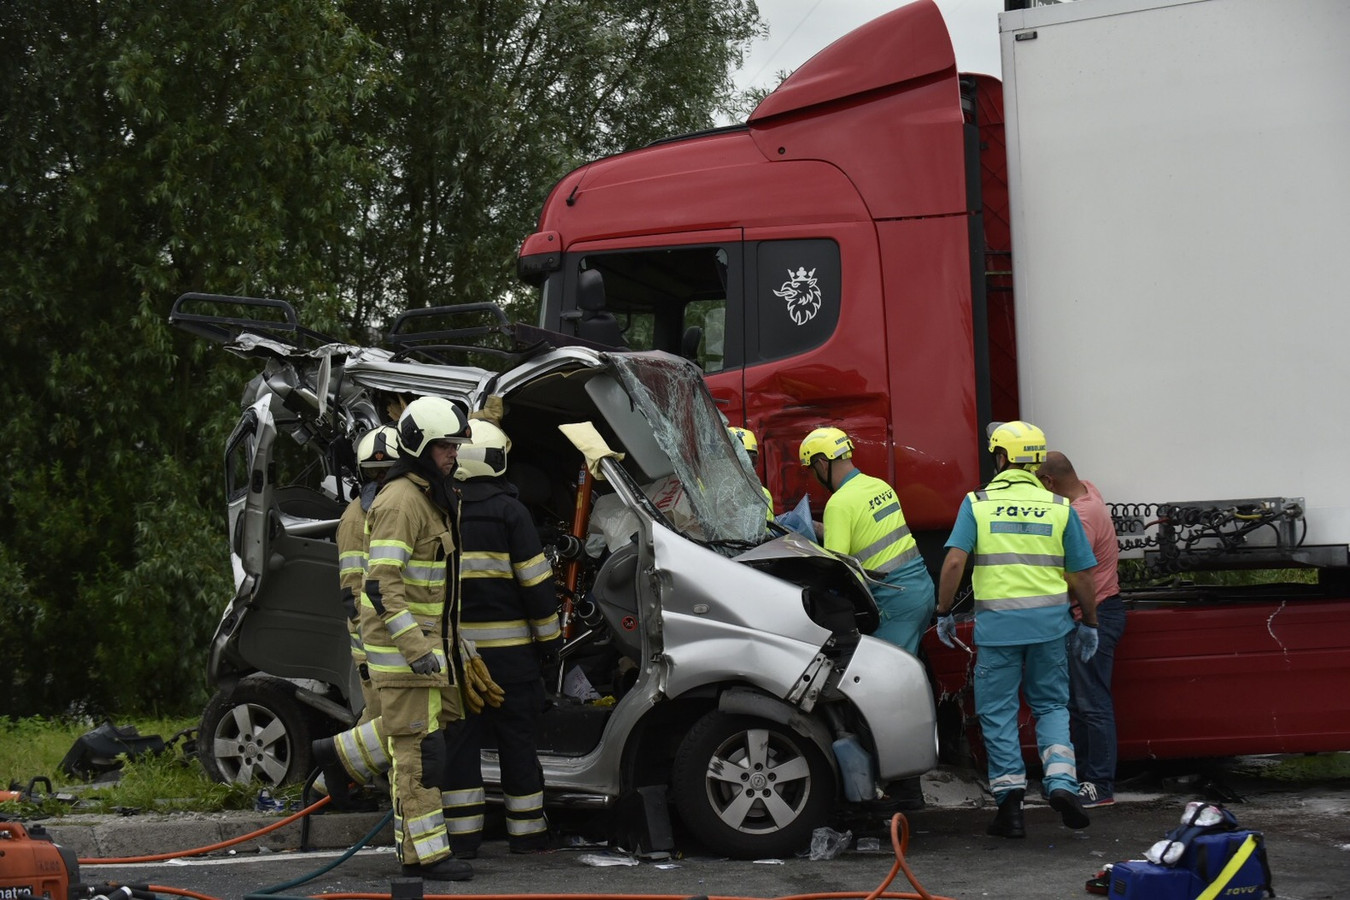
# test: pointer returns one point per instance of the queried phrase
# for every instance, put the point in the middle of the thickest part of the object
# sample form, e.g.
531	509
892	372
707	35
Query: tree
487	104
355	157
150	148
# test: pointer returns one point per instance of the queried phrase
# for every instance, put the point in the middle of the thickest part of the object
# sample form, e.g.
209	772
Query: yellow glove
478	687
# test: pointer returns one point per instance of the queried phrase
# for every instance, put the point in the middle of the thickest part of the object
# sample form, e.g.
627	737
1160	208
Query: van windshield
723	493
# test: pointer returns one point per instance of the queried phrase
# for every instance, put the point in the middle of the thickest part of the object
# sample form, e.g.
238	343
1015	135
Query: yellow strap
1216	887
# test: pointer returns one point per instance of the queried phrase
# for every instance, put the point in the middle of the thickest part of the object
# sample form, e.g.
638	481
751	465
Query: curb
93	838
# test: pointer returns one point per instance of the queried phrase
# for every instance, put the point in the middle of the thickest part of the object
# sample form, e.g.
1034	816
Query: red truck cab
863	284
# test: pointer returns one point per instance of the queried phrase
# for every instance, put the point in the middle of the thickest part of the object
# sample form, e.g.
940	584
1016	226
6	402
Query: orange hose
158	857
182	892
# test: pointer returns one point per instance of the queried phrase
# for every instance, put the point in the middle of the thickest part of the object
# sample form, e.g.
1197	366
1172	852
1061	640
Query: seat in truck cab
596	323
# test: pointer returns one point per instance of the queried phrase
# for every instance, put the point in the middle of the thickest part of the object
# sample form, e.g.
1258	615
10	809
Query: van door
286	619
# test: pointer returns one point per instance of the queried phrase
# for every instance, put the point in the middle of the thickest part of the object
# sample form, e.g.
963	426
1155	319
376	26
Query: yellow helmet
832	443
1022	442
746	437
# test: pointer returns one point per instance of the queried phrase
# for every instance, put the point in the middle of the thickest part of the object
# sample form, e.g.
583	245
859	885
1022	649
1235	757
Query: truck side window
796	299
683	300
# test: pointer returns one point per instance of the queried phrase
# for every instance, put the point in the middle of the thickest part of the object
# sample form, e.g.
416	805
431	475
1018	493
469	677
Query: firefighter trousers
513	728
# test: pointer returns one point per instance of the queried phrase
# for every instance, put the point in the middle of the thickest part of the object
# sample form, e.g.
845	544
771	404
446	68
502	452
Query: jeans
1092	716
1041	671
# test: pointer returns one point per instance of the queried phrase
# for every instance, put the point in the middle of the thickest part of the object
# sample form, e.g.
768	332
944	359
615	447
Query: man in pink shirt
1092	717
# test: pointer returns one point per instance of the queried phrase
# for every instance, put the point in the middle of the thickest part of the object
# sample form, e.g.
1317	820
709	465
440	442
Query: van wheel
257	732
751	787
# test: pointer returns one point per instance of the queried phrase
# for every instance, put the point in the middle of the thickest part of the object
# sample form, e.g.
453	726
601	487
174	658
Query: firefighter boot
448	869
335	776
1008	821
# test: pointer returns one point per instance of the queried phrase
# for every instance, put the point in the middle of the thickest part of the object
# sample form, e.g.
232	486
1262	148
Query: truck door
683	294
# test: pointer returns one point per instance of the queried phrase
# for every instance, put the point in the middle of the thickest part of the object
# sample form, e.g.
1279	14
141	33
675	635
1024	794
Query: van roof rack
222	318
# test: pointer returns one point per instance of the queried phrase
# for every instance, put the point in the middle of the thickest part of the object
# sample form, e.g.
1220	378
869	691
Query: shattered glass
721	488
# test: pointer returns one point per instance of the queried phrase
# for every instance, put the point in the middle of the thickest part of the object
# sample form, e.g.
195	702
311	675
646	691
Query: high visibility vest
863	519
1019	546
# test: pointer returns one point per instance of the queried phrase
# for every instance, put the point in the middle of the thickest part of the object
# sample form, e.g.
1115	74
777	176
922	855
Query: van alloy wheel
257	732
751	787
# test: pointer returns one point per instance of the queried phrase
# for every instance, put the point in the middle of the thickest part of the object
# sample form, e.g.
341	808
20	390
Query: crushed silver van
711	661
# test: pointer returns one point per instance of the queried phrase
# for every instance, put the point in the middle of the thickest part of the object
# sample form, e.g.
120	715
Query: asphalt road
1306	823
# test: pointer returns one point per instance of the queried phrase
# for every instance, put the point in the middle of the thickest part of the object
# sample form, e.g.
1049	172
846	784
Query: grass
171	782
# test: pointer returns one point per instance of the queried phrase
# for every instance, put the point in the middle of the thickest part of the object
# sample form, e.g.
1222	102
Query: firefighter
359	753
863	519
508	615
375	453
408	611
751	445
1031	555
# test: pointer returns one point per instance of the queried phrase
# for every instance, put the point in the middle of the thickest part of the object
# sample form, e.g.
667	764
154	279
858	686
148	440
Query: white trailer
1179	188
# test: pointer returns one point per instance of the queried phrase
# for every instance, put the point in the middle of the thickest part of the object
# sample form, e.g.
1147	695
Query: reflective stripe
464	824
534	571
886	511
362	751
389	659
351	562
497	634
400	623
1023	602
389	553
891	565
428	835
1007	783
422	573
546	629
465	797
483	564
525	802
882	543
1061	768
522	827
1019	559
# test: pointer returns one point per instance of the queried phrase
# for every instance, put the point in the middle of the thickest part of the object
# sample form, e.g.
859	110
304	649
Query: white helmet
429	419
485	454
377	448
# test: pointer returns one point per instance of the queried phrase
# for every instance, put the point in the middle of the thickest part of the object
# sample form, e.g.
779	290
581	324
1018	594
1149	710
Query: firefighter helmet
746	437
429	419
1022	442
830	442
377	448
485	453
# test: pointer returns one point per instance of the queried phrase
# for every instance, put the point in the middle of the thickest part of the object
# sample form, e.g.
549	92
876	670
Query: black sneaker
448	869
1070	808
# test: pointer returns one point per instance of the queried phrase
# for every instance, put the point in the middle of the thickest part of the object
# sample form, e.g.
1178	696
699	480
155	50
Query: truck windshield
723	493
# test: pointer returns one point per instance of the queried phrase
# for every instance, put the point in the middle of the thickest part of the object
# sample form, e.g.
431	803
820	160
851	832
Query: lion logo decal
802	294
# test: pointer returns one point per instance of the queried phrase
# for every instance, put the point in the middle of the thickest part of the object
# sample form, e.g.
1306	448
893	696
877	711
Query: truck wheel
257	732
750	787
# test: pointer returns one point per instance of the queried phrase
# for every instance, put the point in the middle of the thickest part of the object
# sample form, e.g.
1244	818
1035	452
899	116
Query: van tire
257	732
715	766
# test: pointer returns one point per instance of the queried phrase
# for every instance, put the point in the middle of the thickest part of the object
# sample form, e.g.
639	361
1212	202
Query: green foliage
354	157
169	782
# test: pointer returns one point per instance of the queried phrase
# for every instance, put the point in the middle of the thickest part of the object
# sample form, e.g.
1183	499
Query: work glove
426	665
479	688
1085	642
946	630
